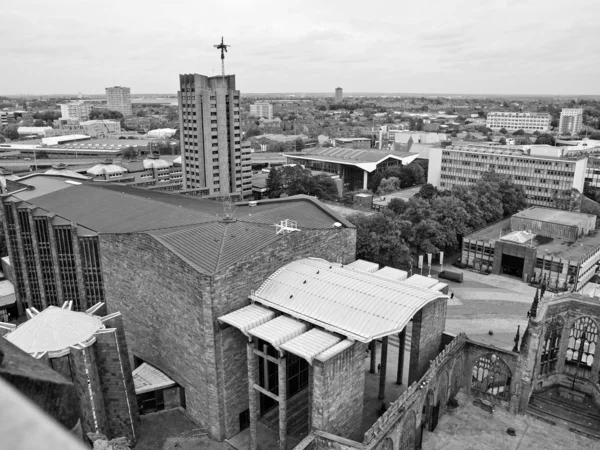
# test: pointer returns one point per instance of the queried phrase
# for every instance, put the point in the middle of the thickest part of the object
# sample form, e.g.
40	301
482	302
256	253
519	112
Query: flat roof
557	216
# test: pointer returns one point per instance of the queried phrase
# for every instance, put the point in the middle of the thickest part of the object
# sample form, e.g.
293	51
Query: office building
512	121
76	110
262	109
571	120
118	98
339	95
213	160
546	176
559	247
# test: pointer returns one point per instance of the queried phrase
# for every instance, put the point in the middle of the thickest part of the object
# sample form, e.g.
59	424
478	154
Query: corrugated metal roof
365	266
359	305
53	330
392	273
310	344
147	378
279	330
337	348
439	286
248	317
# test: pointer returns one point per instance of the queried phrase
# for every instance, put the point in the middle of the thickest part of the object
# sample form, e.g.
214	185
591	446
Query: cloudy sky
427	46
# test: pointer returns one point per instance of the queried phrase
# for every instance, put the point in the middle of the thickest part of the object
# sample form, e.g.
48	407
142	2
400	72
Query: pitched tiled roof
192	228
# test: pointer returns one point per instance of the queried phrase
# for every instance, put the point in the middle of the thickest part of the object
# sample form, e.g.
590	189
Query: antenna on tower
223	49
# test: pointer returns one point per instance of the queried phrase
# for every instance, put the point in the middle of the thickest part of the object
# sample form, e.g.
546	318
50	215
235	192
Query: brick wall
89	391
427	329
338	384
161	299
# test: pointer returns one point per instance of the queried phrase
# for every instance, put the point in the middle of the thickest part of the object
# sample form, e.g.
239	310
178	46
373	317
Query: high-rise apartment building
571	120
119	99
339	95
511	121
262	109
545	176
77	110
209	121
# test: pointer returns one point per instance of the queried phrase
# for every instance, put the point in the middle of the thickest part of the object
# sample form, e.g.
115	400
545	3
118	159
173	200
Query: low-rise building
33	131
353	166
262	109
545	174
352	142
76	110
511	121
559	247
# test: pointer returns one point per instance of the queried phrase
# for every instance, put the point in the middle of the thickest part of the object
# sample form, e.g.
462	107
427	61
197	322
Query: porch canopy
340	301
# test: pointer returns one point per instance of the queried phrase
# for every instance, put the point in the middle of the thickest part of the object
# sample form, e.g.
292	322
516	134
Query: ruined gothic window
407	438
583	338
492	376
551	346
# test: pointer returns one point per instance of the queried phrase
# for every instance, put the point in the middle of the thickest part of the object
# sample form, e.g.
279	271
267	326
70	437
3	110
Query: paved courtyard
471	428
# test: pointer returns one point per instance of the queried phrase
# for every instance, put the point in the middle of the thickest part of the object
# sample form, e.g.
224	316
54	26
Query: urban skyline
302	51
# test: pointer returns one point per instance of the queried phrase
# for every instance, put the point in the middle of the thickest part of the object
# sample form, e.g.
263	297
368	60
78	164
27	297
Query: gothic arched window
583	338
492	376
551	346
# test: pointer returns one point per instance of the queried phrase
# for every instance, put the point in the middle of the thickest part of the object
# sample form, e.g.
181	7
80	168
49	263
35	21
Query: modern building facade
559	247
118	98
545	176
76	110
511	121
213	160
339	95
262	109
571	120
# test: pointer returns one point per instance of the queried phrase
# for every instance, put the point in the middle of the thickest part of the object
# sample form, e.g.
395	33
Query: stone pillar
282	378
401	345
252	394
38	264
55	264
427	328
79	270
373	347
384	348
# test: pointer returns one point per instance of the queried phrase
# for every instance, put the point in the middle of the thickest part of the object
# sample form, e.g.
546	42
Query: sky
537	47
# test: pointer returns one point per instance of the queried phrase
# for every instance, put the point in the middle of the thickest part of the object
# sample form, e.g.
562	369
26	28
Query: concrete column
401	345
373	347
54	252
38	265
282	377
384	346
252	394
79	270
365	178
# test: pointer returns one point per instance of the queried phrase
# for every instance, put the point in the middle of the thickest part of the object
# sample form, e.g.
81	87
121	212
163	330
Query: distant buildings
149	172
99	129
106	148
262	109
512	121
77	110
538	244
352	142
542	170
339	95
214	162
571	120
119	99
33	131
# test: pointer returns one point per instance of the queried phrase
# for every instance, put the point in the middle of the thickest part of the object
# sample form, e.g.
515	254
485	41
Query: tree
595	135
503	131
547	139
569	200
254	131
388	185
523	141
380	238
412	175
519	132
11	132
300	144
39	123
397	205
129	153
502	141
428	192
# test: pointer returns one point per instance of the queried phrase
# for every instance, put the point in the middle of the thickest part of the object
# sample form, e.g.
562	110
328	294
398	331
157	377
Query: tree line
434	220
